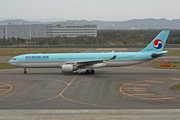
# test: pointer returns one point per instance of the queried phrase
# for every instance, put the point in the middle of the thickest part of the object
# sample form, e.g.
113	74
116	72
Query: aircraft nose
10	62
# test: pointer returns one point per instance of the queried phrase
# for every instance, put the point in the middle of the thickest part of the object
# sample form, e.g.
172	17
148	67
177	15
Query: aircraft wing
89	62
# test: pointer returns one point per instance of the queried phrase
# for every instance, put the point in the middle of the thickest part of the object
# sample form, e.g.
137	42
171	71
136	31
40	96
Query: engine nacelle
68	68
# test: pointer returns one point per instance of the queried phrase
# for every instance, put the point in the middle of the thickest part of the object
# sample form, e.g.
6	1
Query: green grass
158	65
173	52
6	66
19	51
176	87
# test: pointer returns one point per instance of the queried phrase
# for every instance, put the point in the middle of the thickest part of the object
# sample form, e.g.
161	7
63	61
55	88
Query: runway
110	88
91	114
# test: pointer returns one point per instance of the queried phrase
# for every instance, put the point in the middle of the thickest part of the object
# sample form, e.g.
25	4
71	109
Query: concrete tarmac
121	88
112	93
90	114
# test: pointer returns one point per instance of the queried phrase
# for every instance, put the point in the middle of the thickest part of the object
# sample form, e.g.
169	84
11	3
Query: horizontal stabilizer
155	55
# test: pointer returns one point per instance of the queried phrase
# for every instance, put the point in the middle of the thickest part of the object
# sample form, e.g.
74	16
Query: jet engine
68	68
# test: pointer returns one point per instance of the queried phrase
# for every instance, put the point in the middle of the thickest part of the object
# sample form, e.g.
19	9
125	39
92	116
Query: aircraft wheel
25	72
92	71
87	72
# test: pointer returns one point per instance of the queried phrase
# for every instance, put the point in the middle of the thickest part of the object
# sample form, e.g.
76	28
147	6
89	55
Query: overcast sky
107	10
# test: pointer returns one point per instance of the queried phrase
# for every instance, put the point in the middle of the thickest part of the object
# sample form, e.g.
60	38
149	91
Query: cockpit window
14	58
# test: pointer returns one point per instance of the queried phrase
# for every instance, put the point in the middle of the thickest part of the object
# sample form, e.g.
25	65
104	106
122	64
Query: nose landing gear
25	72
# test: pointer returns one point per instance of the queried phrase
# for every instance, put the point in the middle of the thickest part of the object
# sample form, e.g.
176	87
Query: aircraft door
137	56
53	58
98	57
22	59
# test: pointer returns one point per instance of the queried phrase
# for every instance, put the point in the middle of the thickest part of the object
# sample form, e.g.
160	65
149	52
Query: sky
106	10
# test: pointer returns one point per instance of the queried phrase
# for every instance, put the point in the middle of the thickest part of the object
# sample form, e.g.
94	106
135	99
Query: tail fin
158	43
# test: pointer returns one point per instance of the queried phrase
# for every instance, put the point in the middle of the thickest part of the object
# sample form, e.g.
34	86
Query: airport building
28	31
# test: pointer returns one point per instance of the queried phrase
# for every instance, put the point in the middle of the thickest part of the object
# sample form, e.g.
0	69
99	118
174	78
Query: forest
104	37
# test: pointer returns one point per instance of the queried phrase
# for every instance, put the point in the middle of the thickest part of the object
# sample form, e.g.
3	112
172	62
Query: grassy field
176	87
6	66
173	52
158	65
19	51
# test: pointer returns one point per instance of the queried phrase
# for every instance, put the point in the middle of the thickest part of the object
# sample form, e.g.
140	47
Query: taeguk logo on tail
158	44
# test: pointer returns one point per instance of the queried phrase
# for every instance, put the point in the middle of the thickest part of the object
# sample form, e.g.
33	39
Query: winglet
114	57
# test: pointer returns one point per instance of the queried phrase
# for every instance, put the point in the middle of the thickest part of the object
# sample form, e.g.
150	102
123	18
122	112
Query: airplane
70	62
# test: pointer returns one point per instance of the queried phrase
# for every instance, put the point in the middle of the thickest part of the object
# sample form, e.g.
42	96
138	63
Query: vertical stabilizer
158	43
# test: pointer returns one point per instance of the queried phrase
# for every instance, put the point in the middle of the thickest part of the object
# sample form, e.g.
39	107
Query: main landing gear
25	72
91	71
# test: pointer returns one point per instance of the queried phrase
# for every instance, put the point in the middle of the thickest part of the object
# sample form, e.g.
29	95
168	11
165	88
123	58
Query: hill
130	24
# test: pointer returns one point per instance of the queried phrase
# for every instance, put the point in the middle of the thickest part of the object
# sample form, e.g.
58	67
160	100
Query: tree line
104	37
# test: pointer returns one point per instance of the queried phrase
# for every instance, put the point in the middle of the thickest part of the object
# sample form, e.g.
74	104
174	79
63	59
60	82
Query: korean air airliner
70	62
